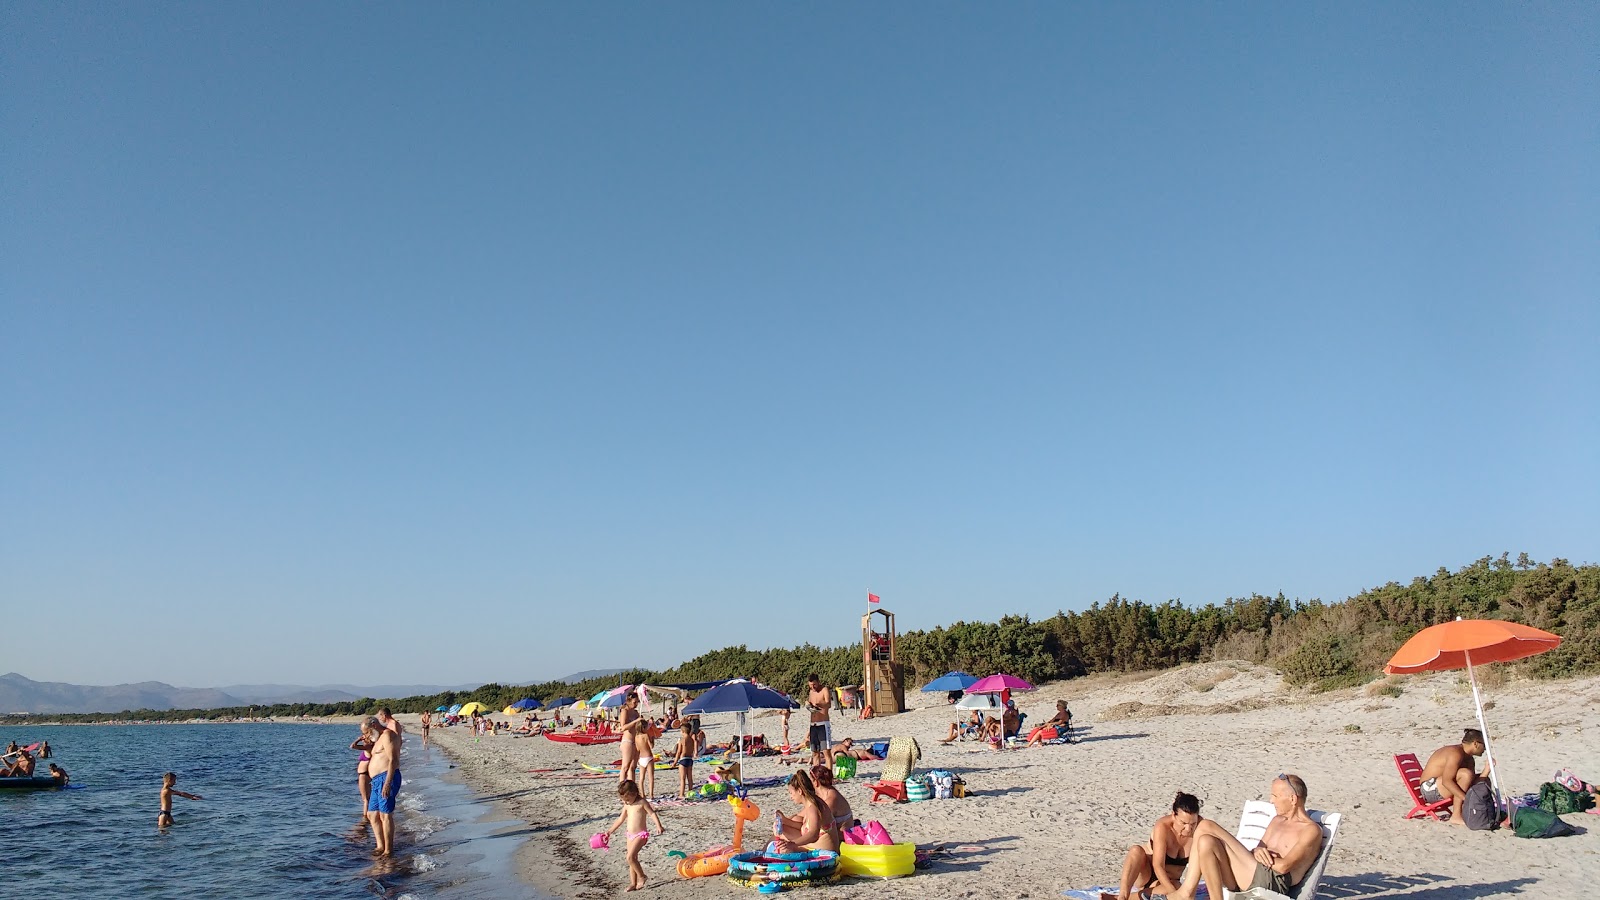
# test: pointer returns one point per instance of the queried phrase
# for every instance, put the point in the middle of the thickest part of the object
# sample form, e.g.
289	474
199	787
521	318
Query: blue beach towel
1095	892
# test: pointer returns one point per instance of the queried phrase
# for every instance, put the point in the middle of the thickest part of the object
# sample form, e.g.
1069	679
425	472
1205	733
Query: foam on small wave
421	826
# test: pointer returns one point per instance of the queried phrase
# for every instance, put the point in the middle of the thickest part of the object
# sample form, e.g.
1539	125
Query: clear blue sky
334	334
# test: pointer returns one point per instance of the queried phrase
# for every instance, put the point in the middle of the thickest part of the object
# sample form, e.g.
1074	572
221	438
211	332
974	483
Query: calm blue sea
280	818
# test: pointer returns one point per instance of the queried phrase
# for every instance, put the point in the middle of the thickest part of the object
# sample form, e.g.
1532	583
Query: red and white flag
871	597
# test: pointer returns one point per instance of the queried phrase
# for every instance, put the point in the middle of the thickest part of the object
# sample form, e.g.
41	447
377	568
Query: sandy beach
1043	820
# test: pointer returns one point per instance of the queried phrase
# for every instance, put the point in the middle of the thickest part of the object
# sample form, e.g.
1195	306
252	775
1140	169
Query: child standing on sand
684	755
167	793
635	810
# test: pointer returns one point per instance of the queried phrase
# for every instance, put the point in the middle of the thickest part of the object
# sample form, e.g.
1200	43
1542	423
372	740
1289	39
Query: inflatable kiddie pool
783	870
877	860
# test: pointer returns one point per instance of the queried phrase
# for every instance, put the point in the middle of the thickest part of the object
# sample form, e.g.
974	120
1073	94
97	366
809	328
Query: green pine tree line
1325	645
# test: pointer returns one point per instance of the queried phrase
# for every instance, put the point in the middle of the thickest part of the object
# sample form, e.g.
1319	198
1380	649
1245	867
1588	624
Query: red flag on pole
872	598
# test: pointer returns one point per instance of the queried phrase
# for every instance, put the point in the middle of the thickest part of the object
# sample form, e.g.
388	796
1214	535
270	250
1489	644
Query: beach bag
917	788
1558	799
958	787
1478	810
855	835
877	834
943	782
1532	822
844	767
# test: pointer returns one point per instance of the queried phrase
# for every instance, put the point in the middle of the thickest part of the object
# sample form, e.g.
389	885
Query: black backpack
1478	809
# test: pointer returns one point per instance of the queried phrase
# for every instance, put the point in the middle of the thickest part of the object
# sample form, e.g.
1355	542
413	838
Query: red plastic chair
1411	774
893	791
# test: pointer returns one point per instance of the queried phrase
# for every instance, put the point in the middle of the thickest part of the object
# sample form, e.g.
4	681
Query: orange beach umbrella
1463	644
1469	642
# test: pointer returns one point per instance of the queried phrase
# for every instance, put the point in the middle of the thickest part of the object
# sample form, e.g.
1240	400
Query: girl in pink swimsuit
635	811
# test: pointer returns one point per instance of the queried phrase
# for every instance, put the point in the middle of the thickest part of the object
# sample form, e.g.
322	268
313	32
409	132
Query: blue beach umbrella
950	681
441	709
595	700
526	703
454	710
739	696
560	702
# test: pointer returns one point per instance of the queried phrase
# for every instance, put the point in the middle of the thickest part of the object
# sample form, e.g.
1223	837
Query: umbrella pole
1488	753
741	747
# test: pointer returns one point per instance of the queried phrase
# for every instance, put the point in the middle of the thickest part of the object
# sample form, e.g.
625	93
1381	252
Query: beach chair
1253	824
898	764
1411	774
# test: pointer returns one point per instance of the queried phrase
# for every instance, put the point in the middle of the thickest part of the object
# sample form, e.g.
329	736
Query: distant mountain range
19	694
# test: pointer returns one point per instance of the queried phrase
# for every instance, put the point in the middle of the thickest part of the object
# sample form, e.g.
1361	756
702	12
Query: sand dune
1047	819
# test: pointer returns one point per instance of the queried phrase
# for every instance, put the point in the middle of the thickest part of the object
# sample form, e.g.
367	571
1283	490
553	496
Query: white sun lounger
1253	824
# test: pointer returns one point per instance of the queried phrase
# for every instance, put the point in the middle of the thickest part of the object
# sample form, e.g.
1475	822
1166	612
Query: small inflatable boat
582	737
33	783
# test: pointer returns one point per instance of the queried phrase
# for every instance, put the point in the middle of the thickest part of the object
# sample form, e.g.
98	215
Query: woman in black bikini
1169	842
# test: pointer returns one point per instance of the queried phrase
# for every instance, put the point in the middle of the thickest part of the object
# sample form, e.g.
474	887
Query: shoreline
1042	820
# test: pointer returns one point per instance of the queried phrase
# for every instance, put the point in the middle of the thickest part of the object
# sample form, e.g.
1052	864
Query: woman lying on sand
1156	866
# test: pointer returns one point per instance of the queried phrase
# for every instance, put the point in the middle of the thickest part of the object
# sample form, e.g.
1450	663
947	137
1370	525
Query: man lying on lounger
1279	863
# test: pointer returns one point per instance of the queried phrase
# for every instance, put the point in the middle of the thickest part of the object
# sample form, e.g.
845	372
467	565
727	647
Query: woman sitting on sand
812	828
1156	866
838	807
973	727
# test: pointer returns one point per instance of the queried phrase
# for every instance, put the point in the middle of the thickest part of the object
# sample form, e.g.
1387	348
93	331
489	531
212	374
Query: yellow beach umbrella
510	711
473	707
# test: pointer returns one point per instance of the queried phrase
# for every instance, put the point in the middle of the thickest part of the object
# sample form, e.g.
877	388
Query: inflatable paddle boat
33	783
582	737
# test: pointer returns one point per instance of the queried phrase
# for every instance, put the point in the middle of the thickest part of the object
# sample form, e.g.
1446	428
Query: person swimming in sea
167	793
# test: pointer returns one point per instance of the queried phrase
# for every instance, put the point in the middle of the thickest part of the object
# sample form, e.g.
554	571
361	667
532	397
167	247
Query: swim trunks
379	802
1274	881
820	738
1430	790
687	762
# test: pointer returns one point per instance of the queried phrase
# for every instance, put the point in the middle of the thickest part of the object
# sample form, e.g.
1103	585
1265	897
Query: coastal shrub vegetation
1322	645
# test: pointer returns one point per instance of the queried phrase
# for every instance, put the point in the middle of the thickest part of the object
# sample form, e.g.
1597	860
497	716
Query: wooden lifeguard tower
885	685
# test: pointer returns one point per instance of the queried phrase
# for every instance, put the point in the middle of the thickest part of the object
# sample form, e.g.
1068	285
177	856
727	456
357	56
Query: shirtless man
391	723
427	723
1287	851
384	767
1451	770
22	768
819	700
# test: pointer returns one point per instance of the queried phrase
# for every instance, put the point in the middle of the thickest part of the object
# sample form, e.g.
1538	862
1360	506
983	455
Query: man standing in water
820	736
388	721
384	767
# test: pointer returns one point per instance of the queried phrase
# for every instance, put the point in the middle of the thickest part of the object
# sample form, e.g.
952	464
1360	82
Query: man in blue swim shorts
384	767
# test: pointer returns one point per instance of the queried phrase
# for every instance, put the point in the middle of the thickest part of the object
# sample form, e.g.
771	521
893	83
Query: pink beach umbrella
1002	684
999	683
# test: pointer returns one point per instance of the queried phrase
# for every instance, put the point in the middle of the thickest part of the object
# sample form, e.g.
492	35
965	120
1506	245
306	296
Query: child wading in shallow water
635	810
167	793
